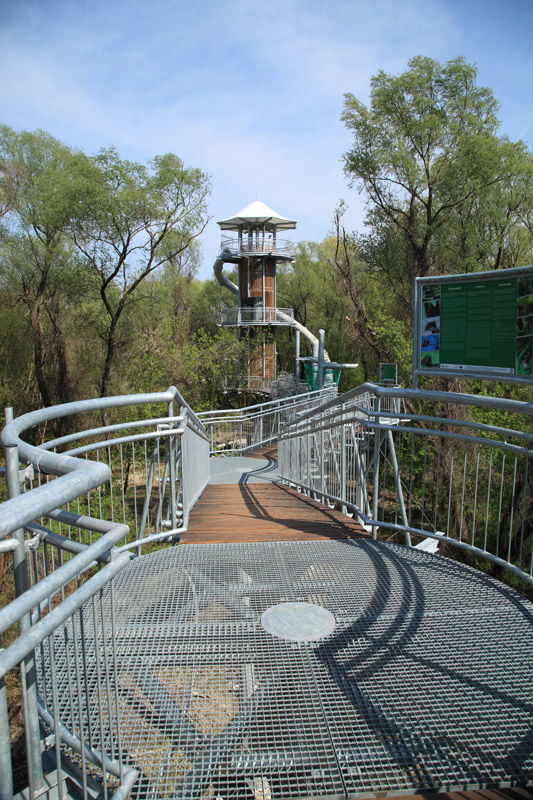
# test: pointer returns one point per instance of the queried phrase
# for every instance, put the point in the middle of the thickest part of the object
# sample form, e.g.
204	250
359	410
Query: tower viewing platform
257	227
234	248
258	315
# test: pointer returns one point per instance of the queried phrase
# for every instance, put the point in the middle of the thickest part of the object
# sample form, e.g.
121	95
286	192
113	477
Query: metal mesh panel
425	682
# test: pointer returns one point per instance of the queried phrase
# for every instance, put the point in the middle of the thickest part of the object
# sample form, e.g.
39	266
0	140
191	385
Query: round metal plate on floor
298	622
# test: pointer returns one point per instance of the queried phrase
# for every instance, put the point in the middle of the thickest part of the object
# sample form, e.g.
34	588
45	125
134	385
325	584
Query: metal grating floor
425	683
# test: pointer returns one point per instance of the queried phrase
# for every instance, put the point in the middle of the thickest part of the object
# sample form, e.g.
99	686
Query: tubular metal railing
248	383
258	315
87	508
245	246
417	463
233	431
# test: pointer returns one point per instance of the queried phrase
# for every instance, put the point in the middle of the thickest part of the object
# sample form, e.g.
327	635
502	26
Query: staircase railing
234	431
87	508
422	464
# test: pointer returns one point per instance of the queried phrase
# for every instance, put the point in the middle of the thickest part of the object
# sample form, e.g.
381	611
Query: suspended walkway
242	627
245	502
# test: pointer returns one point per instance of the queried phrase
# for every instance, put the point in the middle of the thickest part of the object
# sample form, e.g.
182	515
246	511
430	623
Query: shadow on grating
425	683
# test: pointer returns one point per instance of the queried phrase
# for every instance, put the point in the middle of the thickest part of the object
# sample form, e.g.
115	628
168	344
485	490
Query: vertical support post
361	488
147	495
6	788
297	357
172	464
322	464
186	486
416	331
375	489
308	460
375	480
321	334
343	463
27	667
398	483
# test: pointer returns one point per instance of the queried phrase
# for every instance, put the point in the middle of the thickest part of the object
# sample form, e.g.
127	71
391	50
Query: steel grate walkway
425	682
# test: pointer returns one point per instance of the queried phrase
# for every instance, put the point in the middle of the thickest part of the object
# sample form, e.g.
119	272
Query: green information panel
481	323
388	373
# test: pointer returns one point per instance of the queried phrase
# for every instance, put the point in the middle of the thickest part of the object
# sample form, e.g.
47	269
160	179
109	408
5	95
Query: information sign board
480	324
388	373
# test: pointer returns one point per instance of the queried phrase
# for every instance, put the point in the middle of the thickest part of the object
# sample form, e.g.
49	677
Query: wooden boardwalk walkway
266	512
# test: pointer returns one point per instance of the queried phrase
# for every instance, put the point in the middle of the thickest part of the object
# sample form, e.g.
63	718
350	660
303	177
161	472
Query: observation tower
250	240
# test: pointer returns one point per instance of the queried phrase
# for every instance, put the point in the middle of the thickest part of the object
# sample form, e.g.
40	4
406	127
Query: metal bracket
33	543
27	474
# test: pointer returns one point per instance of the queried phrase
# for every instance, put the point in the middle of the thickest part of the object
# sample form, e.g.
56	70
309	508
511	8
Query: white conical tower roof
257	213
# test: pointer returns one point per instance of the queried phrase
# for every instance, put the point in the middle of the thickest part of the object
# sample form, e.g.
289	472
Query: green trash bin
331	376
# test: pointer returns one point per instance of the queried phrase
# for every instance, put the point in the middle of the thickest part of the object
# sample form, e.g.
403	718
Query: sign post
388	373
478	325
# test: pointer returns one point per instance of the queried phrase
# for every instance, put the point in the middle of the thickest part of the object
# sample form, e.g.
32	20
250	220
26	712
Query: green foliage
427	155
445	195
81	241
98	254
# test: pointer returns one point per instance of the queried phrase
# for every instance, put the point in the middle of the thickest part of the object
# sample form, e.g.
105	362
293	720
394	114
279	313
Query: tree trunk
111	341
63	386
35	314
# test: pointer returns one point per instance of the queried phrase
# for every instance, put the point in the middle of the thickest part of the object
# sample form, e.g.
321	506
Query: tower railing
121	487
234	431
257	246
258	315
422	465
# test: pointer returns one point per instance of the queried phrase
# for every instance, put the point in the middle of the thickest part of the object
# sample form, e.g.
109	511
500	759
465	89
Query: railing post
322	461
6	771
172	464
320	376
343	463
399	492
361	489
375	487
27	667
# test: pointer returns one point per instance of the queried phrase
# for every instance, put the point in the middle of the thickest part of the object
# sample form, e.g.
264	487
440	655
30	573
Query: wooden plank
258	513
515	793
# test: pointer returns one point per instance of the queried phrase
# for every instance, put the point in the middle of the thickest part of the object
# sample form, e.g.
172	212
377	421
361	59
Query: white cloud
250	93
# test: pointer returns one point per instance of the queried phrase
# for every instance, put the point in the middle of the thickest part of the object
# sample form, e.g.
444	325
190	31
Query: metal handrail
295	399
36	608
233	431
374	390
234	246
258	315
419	474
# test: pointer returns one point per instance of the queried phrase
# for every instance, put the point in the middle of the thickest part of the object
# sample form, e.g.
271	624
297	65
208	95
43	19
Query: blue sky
251	93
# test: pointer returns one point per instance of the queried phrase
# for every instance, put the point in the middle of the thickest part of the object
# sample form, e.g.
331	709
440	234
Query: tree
43	185
427	155
142	219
